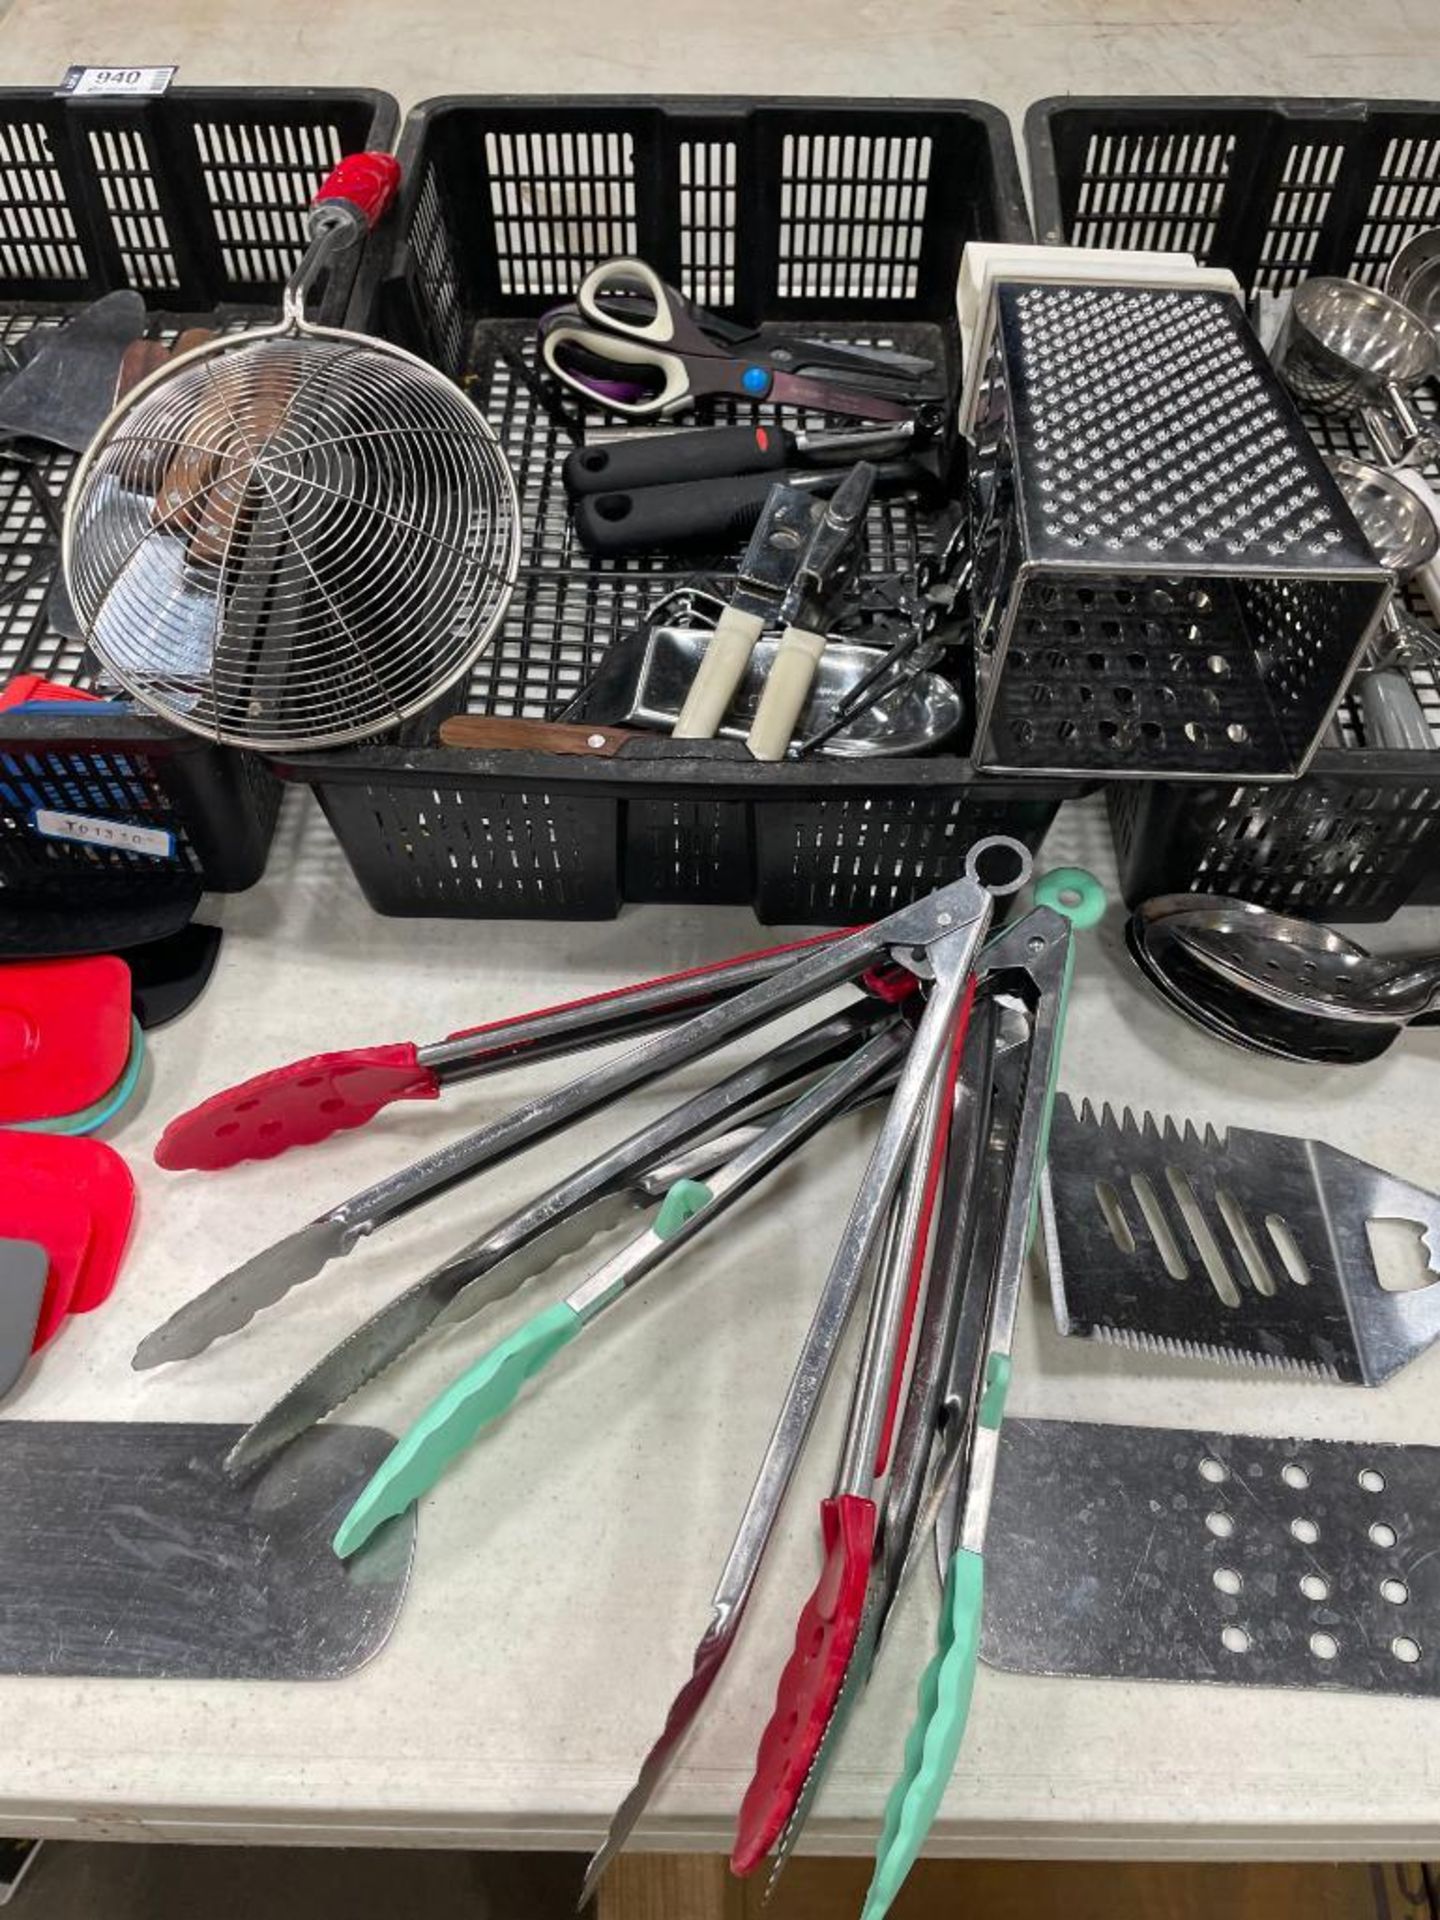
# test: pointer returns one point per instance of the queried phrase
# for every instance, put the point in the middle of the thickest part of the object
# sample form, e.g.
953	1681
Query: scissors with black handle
638	347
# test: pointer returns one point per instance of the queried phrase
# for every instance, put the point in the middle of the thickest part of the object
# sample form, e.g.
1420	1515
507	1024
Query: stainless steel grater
1167	579
1242	1246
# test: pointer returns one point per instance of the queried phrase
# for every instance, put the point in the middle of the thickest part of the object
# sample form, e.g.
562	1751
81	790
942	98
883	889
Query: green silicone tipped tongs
951	921
1042	955
490	1386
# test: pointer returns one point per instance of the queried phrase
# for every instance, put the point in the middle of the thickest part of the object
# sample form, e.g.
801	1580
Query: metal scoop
1413	277
1403	537
1345	346
1310	968
1277	985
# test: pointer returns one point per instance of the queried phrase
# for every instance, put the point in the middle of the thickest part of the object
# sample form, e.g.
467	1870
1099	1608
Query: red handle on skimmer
367	181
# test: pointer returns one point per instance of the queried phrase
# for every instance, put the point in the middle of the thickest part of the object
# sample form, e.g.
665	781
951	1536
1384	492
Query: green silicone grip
451	1422
1073	892
934	1739
681	1203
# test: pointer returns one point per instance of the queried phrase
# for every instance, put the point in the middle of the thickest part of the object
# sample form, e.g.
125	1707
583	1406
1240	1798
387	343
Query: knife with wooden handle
485	733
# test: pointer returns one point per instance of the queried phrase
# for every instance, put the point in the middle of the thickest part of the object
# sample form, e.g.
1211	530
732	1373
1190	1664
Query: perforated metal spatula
1243	1246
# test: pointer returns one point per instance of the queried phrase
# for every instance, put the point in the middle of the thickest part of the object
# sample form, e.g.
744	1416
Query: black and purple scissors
634	345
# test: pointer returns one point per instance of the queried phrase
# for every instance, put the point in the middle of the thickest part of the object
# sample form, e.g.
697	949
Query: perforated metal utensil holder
1167	578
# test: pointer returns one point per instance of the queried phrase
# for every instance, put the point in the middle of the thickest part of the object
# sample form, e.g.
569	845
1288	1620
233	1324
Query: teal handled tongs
1040	958
1016	1022
1010	967
582	1204
491	1384
927	939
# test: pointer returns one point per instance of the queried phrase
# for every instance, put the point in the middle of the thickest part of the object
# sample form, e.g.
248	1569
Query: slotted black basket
1276	190
842	215
197	200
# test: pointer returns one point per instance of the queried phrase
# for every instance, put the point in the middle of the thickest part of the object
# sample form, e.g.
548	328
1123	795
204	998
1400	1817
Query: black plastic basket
849	216
1276	190
197	199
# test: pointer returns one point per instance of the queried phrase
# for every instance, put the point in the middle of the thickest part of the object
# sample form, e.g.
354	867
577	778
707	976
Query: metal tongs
560	1221
308	1100
1032	970
946	957
958	1195
267	1277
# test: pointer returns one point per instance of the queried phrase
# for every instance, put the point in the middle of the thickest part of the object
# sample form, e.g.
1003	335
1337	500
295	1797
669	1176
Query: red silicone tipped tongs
828	1628
308	1100
945	955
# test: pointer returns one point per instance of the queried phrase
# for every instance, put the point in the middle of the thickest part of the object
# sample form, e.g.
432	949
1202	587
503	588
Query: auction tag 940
113	80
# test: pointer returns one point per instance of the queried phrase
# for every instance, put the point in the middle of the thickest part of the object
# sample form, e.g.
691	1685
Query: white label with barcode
124	80
154	842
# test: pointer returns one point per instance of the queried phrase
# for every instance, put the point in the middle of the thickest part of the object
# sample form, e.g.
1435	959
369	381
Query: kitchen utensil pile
957	1036
1134	564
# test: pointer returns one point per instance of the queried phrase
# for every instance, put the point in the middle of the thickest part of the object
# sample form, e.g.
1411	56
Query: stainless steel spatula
1242	1246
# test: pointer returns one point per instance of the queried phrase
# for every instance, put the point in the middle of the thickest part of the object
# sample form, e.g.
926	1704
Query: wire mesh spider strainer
294	538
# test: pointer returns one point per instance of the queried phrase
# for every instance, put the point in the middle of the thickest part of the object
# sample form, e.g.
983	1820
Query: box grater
1167	580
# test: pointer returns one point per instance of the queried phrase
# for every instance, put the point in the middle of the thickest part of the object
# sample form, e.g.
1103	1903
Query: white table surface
564	1566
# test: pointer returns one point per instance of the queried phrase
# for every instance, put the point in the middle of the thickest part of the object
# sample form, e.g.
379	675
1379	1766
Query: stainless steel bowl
1394	520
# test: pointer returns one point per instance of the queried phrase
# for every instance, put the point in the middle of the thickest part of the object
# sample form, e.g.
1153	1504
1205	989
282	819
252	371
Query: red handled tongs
309	1100
941	947
830	1621
912	938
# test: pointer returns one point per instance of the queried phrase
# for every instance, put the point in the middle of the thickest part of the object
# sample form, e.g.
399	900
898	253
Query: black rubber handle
712	513
667	459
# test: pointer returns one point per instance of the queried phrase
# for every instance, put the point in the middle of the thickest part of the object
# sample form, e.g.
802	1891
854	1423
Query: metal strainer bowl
292	539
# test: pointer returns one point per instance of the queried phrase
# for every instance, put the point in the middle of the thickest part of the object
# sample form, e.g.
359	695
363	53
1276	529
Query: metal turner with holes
1250	1247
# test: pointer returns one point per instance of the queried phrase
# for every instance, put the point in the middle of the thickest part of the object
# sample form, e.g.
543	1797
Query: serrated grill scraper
1243	1246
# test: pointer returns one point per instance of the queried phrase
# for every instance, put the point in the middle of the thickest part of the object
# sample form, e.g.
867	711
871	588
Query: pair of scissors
638	347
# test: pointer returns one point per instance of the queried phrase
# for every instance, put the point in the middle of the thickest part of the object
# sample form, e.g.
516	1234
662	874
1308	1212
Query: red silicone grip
107	1186
24	687
293	1106
64	1034
811	1682
368	181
